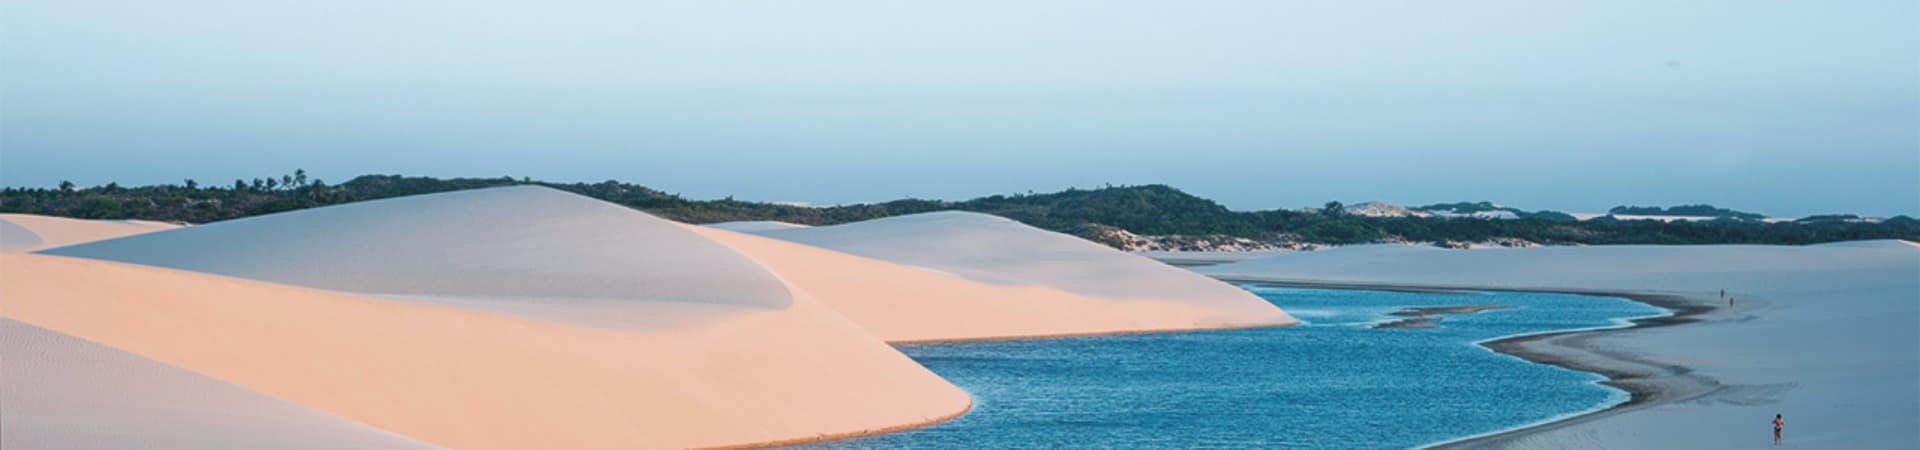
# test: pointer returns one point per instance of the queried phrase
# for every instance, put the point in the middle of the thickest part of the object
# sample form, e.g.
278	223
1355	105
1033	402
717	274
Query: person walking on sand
1778	423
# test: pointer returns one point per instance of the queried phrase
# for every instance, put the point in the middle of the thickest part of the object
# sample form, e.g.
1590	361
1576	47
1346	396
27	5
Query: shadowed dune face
67	393
26	232
524	242
16	238
999	251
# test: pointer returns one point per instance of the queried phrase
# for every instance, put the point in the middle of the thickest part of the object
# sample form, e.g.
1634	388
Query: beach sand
1825	334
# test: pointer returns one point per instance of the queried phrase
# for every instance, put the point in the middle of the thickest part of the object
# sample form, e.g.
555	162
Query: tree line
1148	209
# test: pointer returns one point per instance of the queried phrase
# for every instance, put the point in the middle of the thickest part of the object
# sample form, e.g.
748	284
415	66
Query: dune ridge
1013	260
528	244
903	303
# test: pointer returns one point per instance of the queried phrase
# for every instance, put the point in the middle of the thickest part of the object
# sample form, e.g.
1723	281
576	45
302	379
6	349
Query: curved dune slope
529	250
27	232
67	393
465	378
975	276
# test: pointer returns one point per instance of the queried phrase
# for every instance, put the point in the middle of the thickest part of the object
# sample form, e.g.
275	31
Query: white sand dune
1001	252
748	226
462	378
63	392
1825	334
26	232
902	303
497	318
531	250
526	317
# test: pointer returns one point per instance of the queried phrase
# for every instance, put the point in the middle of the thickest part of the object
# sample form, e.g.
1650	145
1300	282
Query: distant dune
1824	334
903	303
1001	252
26	233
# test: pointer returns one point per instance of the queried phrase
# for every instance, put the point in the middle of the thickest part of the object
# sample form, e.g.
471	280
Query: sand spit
27	232
1824	334
1001	252
902	303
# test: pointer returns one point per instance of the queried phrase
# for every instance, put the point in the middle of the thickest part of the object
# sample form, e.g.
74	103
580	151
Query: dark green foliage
1551	216
1151	210
1469	208
1684	210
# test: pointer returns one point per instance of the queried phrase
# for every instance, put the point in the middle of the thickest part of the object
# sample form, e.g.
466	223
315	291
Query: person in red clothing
1778	423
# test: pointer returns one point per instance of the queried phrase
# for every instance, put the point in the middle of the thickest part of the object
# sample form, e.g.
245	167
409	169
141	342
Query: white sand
1828	335
470	379
526	317
903	303
26	232
500	318
1002	252
66	393
534	245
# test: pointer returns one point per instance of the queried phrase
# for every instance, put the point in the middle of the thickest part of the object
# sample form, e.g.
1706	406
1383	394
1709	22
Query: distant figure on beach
1778	423
1723	293
1729	302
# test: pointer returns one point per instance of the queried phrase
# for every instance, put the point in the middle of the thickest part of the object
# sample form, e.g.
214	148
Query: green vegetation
1149	210
1684	210
1469	208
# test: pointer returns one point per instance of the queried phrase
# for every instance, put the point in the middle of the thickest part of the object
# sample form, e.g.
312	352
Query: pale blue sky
1784	107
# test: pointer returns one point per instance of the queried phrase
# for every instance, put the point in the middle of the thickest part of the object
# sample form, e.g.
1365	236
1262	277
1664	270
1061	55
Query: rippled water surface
1333	382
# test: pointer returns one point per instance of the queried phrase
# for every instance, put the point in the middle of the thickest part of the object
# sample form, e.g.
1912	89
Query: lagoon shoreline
1647	382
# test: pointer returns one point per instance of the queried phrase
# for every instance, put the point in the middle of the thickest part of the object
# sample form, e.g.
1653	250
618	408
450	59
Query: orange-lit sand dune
904	303
957	276
472	379
499	318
